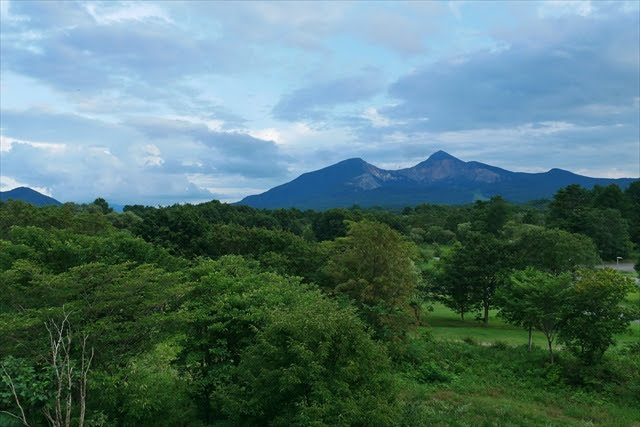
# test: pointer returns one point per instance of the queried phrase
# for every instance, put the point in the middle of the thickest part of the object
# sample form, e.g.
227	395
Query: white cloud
213	124
454	7
269	134
6	144
148	155
604	173
377	120
4	9
126	11
226	189
9	183
515	135
556	8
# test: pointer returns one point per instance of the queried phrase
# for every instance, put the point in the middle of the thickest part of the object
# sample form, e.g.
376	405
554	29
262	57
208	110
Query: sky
170	102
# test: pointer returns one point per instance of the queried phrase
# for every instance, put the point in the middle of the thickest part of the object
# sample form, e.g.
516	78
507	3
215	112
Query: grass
468	375
445	324
452	383
633	275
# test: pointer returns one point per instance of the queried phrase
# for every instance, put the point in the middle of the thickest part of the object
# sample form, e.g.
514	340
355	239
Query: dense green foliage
472	273
374	266
226	315
593	312
537	299
606	214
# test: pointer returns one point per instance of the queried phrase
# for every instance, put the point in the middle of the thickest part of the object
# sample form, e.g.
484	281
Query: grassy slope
493	386
503	385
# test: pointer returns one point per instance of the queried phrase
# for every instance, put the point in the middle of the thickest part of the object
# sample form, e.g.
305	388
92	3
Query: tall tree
554	250
496	214
609	230
374	266
452	286
567	207
472	273
632	194
610	196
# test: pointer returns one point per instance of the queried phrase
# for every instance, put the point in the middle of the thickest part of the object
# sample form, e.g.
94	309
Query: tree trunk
486	315
550	351
530	337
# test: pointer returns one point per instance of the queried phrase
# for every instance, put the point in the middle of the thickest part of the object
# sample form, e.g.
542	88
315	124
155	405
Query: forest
213	314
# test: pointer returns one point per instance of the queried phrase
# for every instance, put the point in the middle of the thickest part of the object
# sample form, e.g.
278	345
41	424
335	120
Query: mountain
441	178
28	195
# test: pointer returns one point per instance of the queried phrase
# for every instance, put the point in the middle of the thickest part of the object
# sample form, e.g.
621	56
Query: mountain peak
441	155
353	161
29	195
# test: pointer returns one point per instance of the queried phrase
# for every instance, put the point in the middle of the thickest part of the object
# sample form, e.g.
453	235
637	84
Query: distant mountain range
441	178
28	195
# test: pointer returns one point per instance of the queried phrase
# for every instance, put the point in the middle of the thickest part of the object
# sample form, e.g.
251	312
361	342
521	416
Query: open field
445	324
466	384
485	376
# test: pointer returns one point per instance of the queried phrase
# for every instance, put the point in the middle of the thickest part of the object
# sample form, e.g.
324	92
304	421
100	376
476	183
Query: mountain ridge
441	178
28	195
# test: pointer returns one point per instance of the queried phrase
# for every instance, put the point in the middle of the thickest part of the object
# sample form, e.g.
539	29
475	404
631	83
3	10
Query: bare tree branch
15	396
60	341
84	370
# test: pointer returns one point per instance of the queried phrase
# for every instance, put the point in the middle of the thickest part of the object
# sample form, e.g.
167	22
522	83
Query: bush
500	345
430	372
470	340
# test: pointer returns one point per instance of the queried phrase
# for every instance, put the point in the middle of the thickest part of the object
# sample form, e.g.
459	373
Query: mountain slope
28	195
441	178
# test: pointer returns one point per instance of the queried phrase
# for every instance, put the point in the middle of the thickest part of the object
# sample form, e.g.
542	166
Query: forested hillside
212	314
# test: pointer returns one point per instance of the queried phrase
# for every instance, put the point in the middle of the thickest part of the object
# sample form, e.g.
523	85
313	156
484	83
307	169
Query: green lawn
445	324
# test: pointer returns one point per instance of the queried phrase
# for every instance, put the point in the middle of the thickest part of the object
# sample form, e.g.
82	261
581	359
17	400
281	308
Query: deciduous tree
374	266
536	299
472	273
593	314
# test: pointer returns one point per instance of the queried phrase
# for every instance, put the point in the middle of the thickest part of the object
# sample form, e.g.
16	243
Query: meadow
444	324
476	376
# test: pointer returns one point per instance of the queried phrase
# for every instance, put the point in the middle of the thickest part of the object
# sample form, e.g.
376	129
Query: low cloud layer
142	160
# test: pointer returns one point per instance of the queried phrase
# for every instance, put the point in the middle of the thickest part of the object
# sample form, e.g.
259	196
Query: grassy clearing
454	383
467	375
445	324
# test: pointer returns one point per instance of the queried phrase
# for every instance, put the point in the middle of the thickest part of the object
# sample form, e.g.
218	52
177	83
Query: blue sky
166	102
